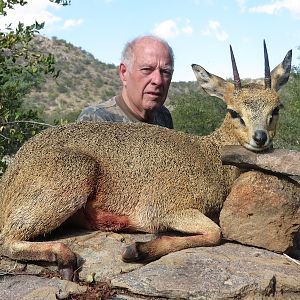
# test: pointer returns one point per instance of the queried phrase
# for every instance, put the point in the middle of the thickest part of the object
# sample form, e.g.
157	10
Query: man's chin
153	104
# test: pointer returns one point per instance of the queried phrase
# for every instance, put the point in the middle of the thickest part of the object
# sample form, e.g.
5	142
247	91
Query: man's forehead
152	56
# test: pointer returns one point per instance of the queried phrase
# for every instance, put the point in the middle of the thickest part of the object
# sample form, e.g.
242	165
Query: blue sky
199	31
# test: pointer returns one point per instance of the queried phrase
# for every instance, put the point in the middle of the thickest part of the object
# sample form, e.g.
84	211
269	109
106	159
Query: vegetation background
45	82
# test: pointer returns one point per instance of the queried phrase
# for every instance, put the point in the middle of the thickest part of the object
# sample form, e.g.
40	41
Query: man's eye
167	73
146	70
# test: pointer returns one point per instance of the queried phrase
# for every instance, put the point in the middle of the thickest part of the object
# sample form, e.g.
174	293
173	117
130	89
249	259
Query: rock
28	287
277	160
262	210
229	271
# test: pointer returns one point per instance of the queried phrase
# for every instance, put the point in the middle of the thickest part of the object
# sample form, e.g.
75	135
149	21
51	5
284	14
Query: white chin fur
257	149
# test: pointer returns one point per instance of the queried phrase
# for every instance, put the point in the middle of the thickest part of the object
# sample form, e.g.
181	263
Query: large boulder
262	210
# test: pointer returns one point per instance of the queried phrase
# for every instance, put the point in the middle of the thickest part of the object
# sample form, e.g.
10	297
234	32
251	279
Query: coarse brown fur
132	177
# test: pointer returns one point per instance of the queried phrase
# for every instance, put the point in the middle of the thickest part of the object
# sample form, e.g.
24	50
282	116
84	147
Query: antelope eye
233	114
275	112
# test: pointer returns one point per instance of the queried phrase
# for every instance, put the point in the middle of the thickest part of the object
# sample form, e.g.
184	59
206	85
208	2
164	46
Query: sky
199	31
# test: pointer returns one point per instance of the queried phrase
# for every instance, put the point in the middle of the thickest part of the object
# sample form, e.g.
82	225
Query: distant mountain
83	80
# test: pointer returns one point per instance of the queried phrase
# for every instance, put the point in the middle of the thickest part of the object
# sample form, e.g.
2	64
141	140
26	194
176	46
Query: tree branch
30	122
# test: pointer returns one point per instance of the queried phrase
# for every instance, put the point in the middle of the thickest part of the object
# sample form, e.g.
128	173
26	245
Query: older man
146	71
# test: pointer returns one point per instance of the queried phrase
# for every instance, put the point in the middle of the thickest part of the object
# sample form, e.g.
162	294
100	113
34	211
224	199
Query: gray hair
127	56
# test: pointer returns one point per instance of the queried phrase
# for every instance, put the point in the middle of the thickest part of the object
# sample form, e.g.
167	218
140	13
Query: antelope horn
236	76
267	68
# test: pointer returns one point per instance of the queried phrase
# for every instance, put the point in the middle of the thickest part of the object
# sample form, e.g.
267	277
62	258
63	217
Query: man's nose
157	77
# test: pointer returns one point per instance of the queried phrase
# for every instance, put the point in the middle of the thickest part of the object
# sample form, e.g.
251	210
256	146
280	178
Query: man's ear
122	73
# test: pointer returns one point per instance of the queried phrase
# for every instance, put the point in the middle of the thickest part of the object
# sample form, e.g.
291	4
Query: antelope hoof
68	273
132	253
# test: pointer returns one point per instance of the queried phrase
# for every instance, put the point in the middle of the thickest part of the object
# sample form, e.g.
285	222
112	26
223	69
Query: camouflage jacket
115	110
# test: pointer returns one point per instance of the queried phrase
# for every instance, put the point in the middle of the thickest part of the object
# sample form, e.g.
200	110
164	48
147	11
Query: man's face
147	81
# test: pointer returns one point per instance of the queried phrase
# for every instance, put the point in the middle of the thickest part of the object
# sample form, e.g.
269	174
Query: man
146	71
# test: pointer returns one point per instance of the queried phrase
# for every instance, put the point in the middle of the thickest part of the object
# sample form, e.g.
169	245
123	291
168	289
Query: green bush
197	113
21	69
288	133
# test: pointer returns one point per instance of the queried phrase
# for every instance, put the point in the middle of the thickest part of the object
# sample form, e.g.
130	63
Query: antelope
134	177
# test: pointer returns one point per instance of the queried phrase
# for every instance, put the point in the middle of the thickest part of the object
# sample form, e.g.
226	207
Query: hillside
83	80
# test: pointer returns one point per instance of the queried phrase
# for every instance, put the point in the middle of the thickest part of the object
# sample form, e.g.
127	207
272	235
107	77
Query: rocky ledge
229	271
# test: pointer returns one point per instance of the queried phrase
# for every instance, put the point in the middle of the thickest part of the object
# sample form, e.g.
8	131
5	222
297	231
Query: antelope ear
280	74
212	84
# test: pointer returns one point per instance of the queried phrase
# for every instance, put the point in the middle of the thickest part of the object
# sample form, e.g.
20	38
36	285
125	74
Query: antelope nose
260	137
